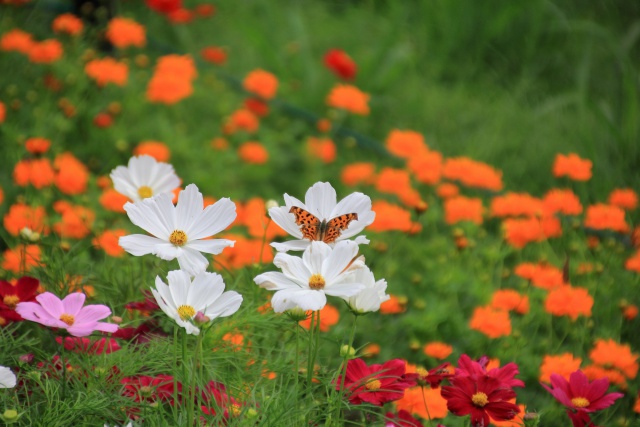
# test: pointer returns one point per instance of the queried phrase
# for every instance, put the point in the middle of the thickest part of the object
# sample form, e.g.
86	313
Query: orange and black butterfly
326	231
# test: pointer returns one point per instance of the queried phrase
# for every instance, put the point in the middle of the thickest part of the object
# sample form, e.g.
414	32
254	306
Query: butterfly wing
309	223
336	225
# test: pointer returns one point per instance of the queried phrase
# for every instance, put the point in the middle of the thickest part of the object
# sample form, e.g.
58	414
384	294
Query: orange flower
107	70
21	258
569	301
633	263
562	364
125	32
242	119
630	311
515	204
608	353
156	149
17	41
349	98
462	208
76	221
321	148
3	113
426	167
261	83
521	231
214	54
256	106
371	350
235	340
37	145
113	201
406	144
108	242
392	306
636	406
219	144
624	198
255	218
606	217
517	421
543	276
205	10
181	16
329	316
67	23
594	372
168	88
562	201
1	195
323	125
472	173
392	180
21	216
411	198
438	350
414	400
37	172
447	190
177	65
253	153
45	52
509	299
491	322
72	176
245	252
572	167
390	217
358	173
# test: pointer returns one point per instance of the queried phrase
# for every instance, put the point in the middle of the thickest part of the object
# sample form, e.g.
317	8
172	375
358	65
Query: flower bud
347	351
10	415
271	204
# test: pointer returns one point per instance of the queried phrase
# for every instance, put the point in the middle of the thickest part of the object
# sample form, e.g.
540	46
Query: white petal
155	215
315	255
167	251
7	378
205	289
274	280
213	219
139	244
192	261
291	245
189	207
228	303
344	289
355	203
179	286
343	253
293	267
304	299
320	199
286	220
213	246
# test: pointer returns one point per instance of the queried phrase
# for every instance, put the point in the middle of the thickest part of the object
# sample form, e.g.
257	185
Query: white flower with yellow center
179	230
184	298
305	282
373	294
144	177
7	378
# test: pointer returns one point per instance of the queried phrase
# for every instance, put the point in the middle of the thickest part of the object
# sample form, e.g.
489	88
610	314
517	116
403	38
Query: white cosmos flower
7	378
179	229
305	282
183	298
370	298
320	201
144	177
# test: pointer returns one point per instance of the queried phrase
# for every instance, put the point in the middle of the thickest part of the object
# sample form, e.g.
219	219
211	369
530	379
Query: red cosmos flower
25	290
340	64
146	307
217	400
401	419
436	375
87	346
141	334
471	368
164	6
376	384
143	388
480	397
580	396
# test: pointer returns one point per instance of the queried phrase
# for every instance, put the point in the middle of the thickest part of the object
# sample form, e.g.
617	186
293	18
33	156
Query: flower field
354	213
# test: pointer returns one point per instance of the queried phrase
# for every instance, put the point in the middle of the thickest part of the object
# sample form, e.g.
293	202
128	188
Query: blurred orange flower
321	148
178	65
561	201
254	217
113	201
261	83
521	231
447	190
509	299
37	145
491	322
108	242
406	143
21	216
358	173
472	173
17	41
329	316
624	198
569	301
349	98
168	88
37	172
633	263
45	52
245	252
214	54
437	350
21	258
563	364
253	152
256	106
606	217
242	119
572	166
594	372
393	181
543	275
426	167
414	400
515	204
390	217
125	32
71	174
107	70
460	208
76	221
67	23
156	149
392	306
3	113
608	353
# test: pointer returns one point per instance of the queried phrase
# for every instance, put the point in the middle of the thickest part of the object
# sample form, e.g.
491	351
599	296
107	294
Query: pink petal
34	312
73	303
82	329
106	327
92	313
51	304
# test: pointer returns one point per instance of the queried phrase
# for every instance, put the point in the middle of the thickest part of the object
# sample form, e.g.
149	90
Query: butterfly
326	231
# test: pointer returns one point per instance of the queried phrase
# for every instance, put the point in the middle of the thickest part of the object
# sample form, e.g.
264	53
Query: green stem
310	353
424	400
64	370
343	368
186	378
297	365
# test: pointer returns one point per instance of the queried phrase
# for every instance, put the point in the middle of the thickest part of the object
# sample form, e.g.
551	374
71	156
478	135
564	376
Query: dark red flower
87	346
376	384
25	289
480	397
141	334
146	307
256	106
401	419
580	396
164	6
143	388
218	401
436	375
214	54
340	63
475	369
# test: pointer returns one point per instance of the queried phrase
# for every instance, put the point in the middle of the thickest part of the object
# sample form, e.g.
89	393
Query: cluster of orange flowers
172	79
43	52
612	360
125	32
349	98
107	70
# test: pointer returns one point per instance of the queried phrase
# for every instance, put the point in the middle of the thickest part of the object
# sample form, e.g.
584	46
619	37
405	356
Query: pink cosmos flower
68	314
506	374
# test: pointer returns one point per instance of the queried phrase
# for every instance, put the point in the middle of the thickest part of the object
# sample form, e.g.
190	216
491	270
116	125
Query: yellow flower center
316	281
145	390
235	409
11	301
480	399
422	372
186	312
68	319
145	192
580	402
373	385
178	238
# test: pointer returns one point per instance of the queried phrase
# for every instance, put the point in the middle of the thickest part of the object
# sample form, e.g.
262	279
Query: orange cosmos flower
107	70
21	216
21	258
521	231
509	299
358	173
543	276
168	89
462	208
245	252
349	98
569	301
242	119
214	54
563	364
633	263
517	421
253	153
125	32
630	311
261	83
17	41
3	113
406	144
491	322
67	23
329	316
45	52
1	195
108	242
393	305
256	106
411	198
624	198
255	219
37	146
393	181
447	190
594	372
390	217
181	16
572	167
608	353
37	172
371	350
515	204
72	175
321	148
76	221
156	149
606	217
472	173
179	65
323	125
426	167
113	201
414	400
438	350
561	201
